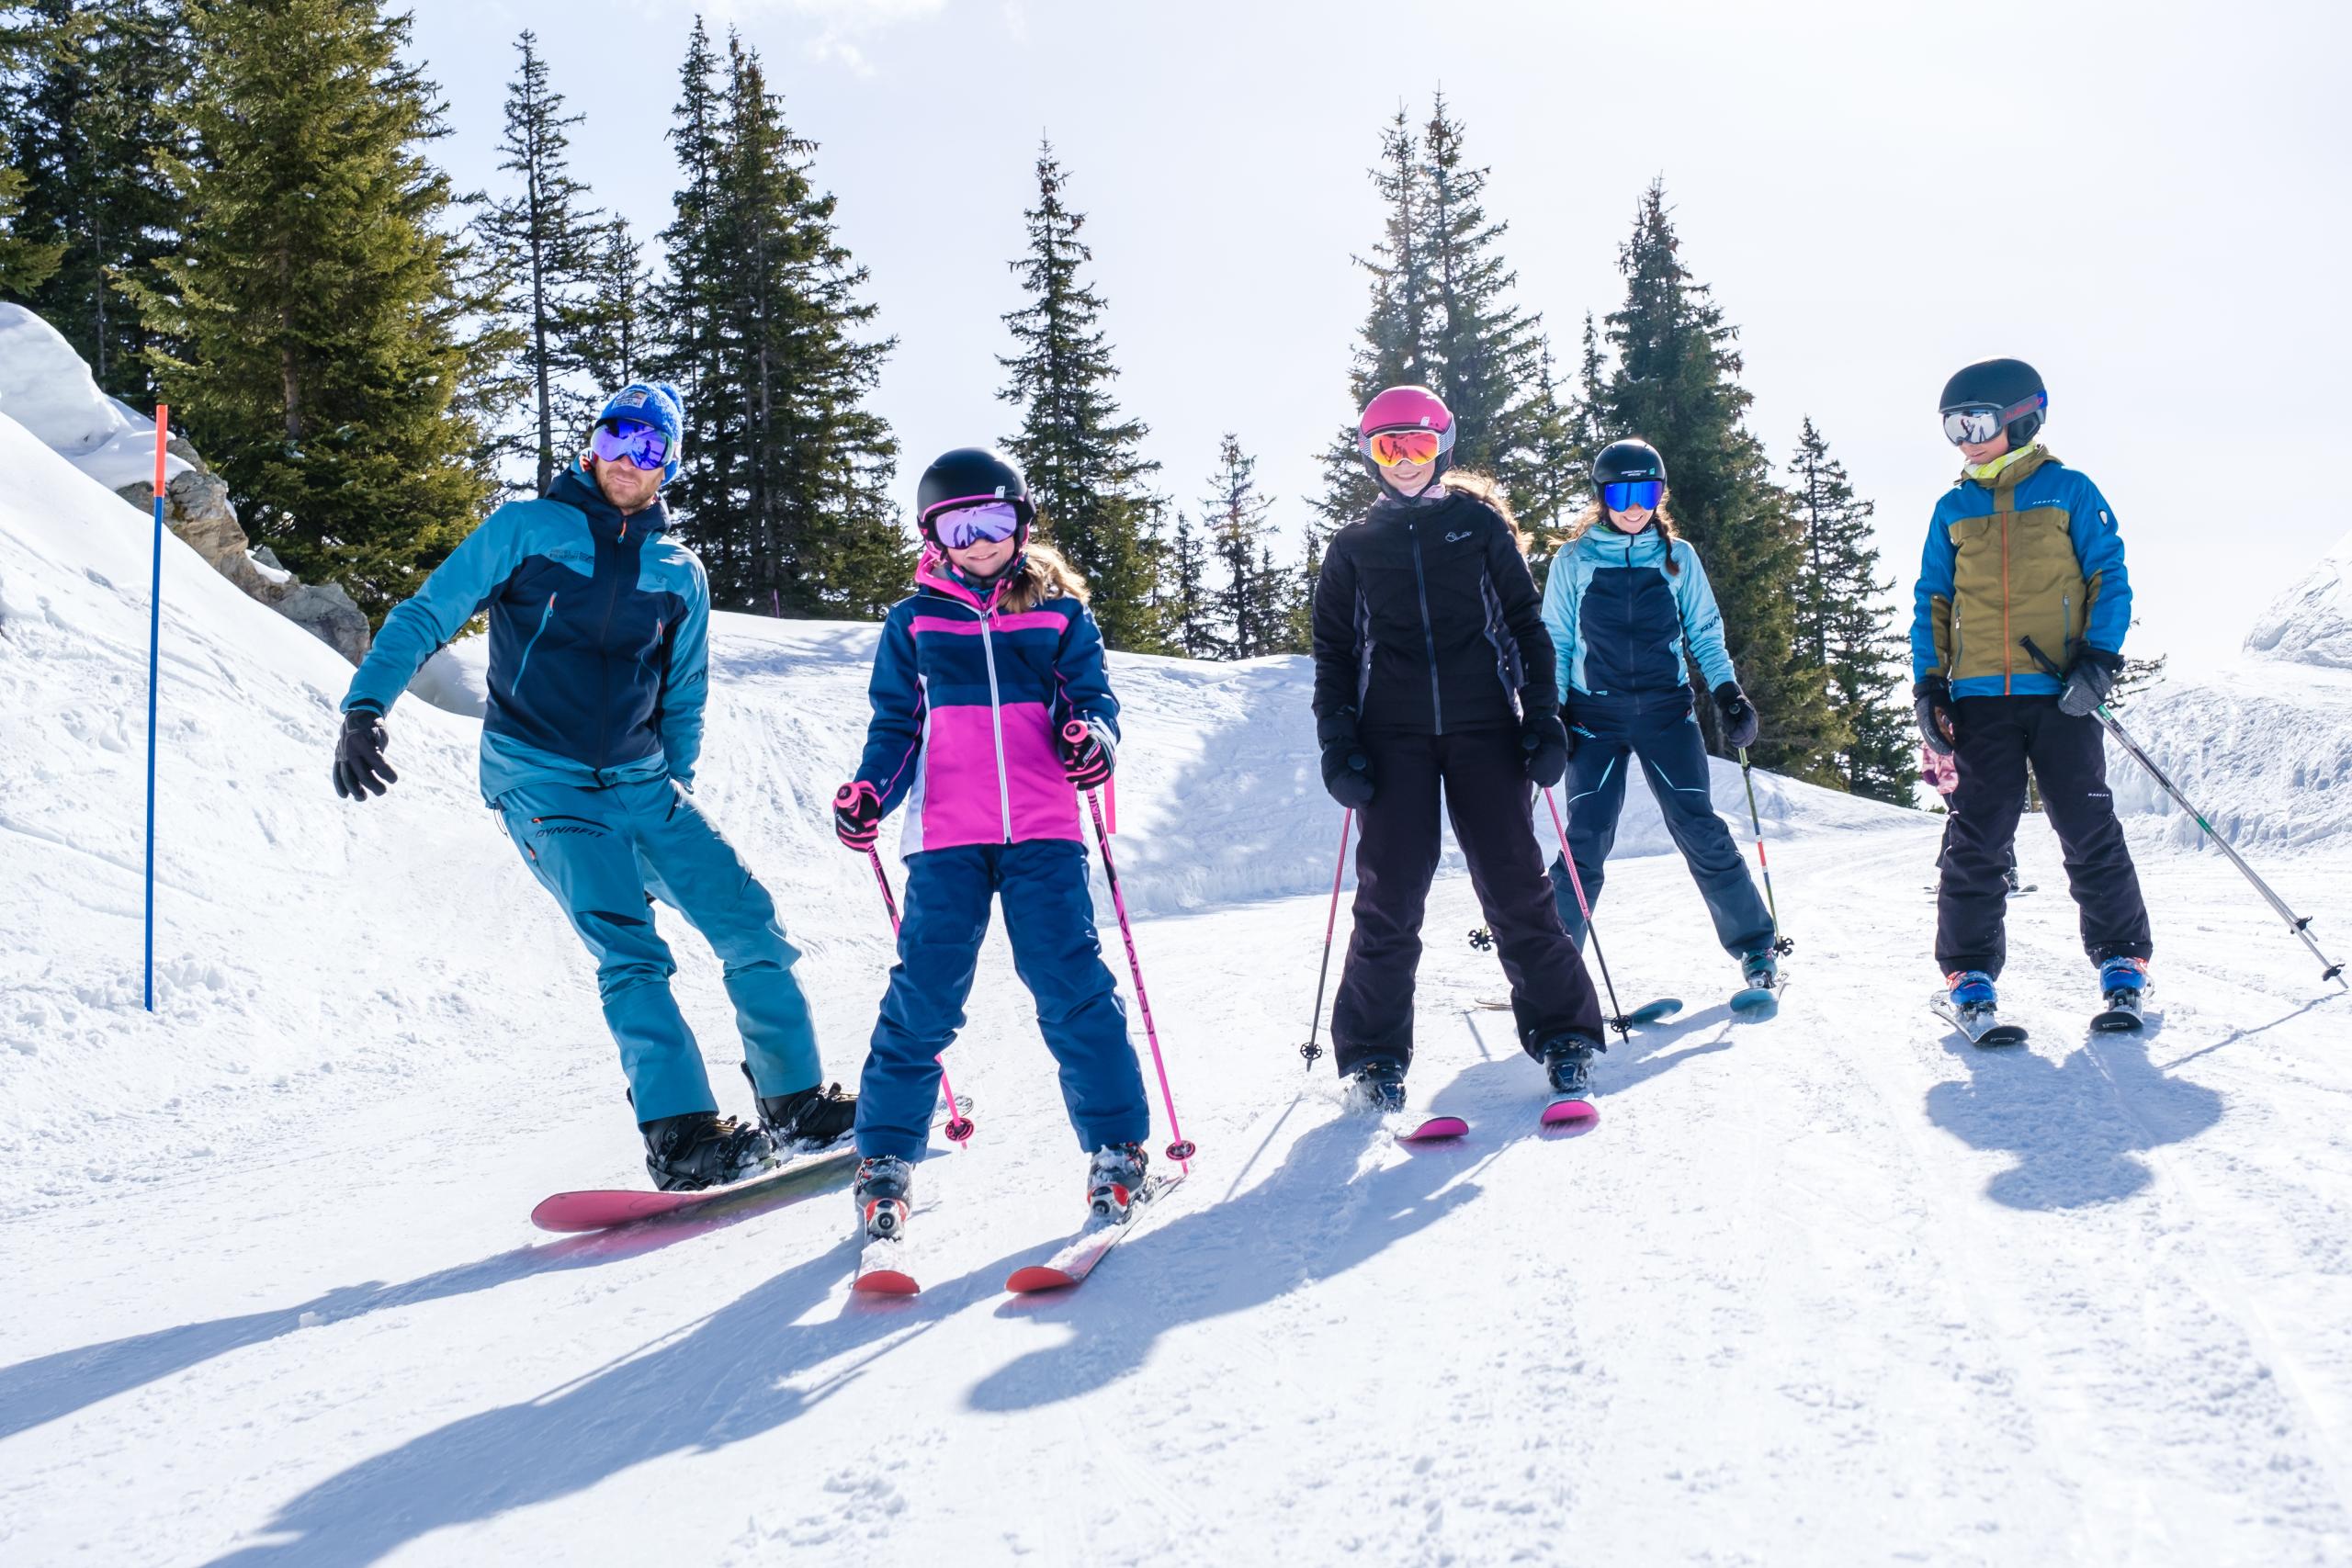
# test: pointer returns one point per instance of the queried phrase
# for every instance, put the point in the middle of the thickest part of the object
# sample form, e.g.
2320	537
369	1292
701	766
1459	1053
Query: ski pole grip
1075	731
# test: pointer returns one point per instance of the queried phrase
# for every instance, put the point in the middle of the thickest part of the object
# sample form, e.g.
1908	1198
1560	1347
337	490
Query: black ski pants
1483	773
1998	737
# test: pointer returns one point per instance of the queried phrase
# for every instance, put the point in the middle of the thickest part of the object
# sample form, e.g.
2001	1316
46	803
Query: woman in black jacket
1431	664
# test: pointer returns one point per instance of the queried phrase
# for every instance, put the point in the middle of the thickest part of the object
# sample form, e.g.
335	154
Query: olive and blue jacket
968	698
599	641
1621	622
2030	550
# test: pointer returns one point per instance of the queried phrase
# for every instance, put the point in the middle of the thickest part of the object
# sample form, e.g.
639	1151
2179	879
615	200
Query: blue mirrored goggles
641	444
1626	494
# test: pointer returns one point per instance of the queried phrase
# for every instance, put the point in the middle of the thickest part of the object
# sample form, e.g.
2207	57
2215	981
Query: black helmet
2008	387
967	474
1621	461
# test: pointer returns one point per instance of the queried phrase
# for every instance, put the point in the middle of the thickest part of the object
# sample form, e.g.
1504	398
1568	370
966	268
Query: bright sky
2150	201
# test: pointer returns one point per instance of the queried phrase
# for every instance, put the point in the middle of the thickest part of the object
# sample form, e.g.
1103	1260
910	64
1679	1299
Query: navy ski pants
1049	916
606	854
1660	734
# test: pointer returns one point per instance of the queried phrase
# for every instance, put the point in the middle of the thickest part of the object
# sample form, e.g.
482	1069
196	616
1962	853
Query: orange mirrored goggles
1390	447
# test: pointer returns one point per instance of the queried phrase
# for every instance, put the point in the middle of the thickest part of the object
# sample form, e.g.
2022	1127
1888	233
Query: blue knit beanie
656	403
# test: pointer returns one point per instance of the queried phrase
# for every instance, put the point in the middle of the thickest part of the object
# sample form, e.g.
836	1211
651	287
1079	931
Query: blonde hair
1660	518
1043	574
1484	489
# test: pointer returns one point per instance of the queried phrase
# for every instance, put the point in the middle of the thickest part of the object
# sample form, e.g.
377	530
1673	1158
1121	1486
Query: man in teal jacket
598	666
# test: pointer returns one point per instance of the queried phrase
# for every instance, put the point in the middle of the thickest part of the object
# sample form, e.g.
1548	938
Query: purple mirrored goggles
960	528
640	444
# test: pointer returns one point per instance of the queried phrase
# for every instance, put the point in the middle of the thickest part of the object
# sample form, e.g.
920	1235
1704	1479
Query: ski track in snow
1830	1288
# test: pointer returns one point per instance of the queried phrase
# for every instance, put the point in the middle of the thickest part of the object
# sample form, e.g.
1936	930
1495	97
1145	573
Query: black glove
1347	771
1088	752
1738	715
857	815
1548	746
359	766
2089	680
1938	723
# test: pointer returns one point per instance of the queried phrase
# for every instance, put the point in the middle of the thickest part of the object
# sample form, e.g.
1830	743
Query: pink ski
1076	1259
1437	1129
1571	1116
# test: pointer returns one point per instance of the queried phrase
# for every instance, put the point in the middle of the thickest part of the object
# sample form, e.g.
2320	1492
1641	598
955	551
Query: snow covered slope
2312	622
47	388
1830	1289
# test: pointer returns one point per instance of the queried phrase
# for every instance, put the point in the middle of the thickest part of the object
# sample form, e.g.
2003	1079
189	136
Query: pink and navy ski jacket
967	700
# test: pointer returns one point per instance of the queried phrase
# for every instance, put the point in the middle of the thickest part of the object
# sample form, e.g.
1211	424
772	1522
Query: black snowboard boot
885	1194
1378	1086
1115	1180
701	1148
810	1119
1567	1062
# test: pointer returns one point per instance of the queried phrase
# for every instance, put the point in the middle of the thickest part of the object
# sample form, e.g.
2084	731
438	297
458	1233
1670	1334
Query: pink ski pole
1179	1150
1311	1050
1568	859
960	1126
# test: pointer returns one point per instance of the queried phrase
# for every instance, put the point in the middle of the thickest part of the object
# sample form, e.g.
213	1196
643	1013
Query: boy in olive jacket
2022	549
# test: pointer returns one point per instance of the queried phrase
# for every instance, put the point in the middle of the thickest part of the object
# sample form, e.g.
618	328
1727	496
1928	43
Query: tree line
231	206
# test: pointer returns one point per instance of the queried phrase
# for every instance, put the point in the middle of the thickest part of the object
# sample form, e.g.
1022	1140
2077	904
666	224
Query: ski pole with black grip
1780	945
1311	1050
2299	924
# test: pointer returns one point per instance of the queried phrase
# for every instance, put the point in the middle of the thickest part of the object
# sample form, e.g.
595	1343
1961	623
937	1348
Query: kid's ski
1982	1025
882	1269
1569	1115
1428	1129
2124	1013
1648	1012
1093	1242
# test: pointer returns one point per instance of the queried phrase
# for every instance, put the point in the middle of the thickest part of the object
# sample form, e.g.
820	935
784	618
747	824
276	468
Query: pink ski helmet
1401	410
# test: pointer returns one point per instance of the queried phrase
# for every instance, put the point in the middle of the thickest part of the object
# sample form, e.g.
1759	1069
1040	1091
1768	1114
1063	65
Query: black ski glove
1738	715
359	766
1548	745
1347	771
1088	752
857	815
1939	722
2089	680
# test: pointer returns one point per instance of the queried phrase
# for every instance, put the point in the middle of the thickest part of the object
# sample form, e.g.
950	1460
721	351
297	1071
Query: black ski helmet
1629	459
966	476
2003	384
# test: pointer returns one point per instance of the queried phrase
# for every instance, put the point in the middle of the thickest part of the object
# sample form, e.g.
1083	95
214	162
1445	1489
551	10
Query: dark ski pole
1617	1019
959	1127
1314	1020
1780	945
2299	924
1179	1148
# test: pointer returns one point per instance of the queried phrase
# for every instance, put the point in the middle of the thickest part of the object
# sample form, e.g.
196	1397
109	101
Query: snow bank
2312	622
46	387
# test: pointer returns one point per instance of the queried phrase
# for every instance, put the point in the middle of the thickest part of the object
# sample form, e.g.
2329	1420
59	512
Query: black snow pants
1997	737
1491	804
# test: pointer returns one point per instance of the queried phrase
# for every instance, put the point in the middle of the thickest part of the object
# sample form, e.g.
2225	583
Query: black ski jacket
1426	619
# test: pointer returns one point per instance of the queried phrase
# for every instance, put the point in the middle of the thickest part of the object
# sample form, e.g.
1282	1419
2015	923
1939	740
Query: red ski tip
1569	1112
886	1282
1037	1277
1435	1129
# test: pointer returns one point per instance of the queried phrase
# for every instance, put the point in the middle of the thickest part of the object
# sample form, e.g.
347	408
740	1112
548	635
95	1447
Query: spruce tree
1298	625
317	309
540	241
617	321
1845	621
1185	598
689	349
1081	455
1248	607
1676	385
91	110
25	264
1554	490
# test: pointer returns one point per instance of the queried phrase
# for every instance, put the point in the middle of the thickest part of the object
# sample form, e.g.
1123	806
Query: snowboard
1077	1258
1986	1031
596	1208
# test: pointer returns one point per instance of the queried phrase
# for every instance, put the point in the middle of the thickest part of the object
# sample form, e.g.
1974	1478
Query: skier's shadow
1314	1217
726	1379
2078	1137
49	1387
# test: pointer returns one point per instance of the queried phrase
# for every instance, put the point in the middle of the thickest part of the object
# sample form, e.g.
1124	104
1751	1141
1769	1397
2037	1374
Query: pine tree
1676	385
1298	624
91	110
1082	458
317	308
1248	609
1185	603
25	264
541	242
615	324
689	347
1845	621
1554	490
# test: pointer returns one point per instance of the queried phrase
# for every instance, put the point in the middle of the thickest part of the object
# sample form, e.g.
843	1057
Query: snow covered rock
47	388
2312	622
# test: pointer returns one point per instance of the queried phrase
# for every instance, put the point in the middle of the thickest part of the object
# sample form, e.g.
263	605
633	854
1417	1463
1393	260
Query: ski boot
702	1148
883	1192
2122	985
1378	1085
1567	1062
1114	1180
1760	971
807	1120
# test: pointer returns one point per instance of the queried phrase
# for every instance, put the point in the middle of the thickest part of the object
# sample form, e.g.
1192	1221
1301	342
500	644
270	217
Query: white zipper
996	718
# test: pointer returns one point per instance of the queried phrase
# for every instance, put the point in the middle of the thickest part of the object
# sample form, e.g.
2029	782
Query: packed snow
47	388
1832	1288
